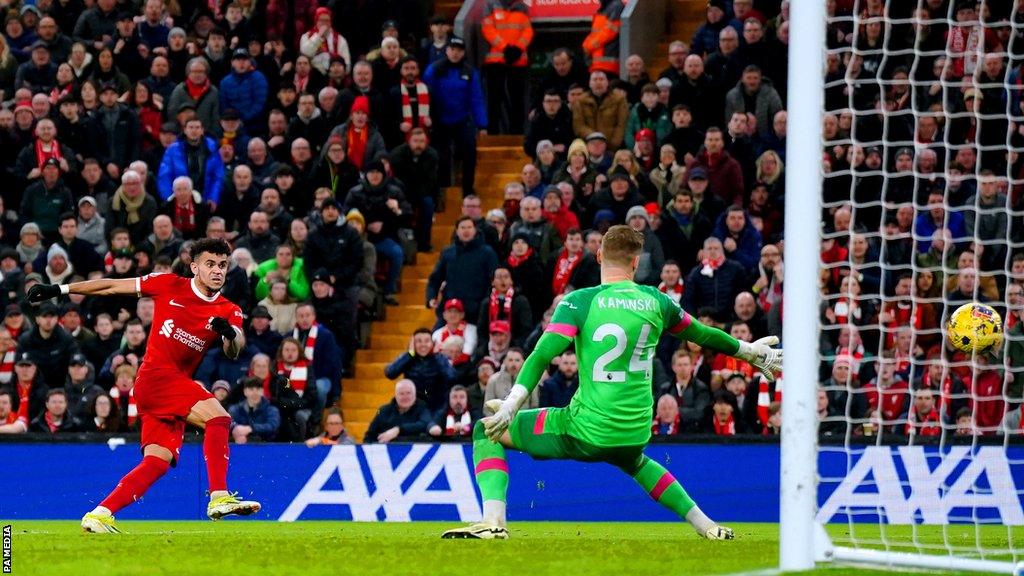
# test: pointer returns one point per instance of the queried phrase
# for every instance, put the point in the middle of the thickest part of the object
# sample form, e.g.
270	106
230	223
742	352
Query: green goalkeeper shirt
616	328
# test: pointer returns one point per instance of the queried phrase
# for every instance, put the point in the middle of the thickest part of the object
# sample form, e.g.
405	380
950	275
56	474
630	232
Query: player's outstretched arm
98	287
548	347
759	353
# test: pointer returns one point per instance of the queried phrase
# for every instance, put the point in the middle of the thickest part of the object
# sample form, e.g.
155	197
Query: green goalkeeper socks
491	467
662	487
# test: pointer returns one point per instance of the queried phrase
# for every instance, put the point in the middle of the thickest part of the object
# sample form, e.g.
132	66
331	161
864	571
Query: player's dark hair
213	246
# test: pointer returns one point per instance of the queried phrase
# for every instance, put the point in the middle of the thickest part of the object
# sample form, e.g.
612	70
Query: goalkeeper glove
762	356
222	327
41	292
504	411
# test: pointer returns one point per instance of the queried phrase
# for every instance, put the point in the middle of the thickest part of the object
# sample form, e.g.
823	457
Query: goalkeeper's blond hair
620	245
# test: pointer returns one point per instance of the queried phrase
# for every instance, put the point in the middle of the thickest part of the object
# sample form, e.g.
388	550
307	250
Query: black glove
221	326
41	292
512	54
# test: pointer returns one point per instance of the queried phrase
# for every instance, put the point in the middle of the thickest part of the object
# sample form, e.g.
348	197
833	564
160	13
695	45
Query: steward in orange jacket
602	44
507	29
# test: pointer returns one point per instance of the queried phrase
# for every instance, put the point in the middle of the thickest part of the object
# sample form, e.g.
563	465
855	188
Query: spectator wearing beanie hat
321	42
385	208
360	138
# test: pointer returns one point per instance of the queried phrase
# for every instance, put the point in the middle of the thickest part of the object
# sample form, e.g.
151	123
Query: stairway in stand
500	160
685	17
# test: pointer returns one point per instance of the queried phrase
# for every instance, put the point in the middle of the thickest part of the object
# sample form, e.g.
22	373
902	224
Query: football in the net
975	327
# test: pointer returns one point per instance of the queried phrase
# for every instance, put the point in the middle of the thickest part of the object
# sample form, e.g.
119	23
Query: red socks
136	483
215	452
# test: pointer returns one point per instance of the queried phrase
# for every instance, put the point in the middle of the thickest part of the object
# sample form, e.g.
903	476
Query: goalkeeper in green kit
615	327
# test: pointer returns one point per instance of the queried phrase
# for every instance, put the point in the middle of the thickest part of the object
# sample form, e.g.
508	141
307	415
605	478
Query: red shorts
165	398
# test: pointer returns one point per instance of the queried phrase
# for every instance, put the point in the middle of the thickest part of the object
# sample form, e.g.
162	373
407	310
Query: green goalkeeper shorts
542	433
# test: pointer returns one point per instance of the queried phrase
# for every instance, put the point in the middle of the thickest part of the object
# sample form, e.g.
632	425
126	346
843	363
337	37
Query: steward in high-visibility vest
506	28
602	44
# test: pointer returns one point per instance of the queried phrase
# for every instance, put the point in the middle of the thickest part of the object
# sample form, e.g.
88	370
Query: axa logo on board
911	485
387	478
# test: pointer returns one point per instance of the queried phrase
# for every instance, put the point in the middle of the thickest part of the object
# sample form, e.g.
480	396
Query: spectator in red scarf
690	393
10	422
985	384
322	43
503	303
557	214
725	174
572	266
186	208
413	95
888	392
666	418
455	325
456	419
198	93
528	274
56	419
723	419
46	146
362	141
923	419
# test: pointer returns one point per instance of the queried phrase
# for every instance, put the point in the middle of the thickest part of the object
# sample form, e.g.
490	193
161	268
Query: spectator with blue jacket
460	111
430	371
463	271
321	348
740	240
245	90
705	39
254	418
194	155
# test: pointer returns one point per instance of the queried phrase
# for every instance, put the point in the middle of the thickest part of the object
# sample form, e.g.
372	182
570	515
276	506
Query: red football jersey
181	330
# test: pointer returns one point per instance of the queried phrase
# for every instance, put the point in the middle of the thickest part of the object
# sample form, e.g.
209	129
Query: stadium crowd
316	139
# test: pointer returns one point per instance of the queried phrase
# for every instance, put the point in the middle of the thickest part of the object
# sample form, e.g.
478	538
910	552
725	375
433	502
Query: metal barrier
643	26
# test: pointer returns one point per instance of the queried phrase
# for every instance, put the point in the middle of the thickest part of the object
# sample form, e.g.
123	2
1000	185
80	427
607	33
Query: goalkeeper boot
717	532
99	524
479	532
231	505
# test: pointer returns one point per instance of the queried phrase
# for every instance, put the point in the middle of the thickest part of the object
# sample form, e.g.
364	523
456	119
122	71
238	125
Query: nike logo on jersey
173	303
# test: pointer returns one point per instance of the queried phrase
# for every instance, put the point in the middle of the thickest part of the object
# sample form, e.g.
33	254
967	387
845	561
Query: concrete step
369	370
366	385
379	356
372	400
357	430
361	414
389	342
506	140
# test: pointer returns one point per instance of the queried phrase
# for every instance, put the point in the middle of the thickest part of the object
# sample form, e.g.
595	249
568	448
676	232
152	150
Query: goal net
919	174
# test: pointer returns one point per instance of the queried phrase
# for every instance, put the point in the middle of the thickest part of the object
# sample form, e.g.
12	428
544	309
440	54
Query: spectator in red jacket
724	173
924	418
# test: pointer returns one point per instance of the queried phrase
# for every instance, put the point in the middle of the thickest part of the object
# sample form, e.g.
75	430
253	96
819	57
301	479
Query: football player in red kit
191	314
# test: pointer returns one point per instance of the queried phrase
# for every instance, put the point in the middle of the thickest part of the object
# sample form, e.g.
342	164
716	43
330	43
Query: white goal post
804	541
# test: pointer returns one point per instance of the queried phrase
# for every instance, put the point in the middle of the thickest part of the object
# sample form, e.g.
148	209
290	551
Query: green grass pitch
340	548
